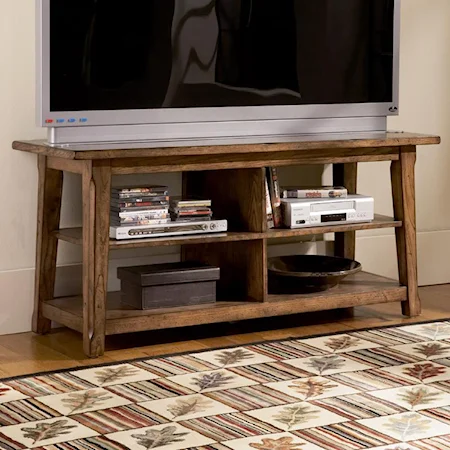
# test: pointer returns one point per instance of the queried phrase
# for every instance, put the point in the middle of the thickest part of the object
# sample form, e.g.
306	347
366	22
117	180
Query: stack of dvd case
190	210
135	206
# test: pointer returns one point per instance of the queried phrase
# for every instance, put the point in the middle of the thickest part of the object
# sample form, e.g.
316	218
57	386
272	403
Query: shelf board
360	289
380	221
75	235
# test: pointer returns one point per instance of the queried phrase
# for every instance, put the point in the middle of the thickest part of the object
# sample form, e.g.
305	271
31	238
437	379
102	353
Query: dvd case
139	203
138	209
275	199
269	214
146	214
189	203
314	192
149	191
140	198
193	213
130	222
192	219
191	210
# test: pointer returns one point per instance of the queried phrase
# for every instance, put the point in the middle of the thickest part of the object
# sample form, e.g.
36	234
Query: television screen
152	54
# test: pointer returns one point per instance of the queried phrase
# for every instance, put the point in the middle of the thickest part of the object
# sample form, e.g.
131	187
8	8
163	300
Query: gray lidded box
168	285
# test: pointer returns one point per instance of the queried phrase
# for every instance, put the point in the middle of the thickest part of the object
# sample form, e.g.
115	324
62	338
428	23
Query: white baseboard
17	288
376	253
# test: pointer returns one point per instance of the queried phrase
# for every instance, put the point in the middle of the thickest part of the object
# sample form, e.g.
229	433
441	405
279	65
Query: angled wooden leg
96	207
49	211
403	193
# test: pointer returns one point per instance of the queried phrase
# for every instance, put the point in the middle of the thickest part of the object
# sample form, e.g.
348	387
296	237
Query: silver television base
207	133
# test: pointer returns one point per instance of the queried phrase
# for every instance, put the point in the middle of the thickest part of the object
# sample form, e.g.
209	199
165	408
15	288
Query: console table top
223	147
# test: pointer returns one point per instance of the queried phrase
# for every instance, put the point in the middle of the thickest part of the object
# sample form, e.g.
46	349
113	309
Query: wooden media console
233	176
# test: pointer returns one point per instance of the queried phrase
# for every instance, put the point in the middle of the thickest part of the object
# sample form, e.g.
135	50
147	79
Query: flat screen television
180	70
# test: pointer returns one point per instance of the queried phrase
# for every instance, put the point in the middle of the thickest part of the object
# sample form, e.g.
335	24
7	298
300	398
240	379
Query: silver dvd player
170	229
301	213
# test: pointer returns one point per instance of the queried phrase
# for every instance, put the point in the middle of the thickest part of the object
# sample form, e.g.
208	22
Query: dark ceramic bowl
300	274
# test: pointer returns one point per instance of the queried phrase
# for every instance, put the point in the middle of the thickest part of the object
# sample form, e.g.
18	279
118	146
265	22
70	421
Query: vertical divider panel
345	175
243	267
237	195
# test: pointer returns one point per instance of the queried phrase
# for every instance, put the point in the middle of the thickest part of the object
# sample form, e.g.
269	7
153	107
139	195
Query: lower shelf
359	289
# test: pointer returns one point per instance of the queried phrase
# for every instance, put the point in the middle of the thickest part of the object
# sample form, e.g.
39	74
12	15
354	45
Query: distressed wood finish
163	164
96	201
238	195
236	186
361	289
102	181
305	143
379	222
88	195
48	216
75	235
403	193
66	165
243	267
346	175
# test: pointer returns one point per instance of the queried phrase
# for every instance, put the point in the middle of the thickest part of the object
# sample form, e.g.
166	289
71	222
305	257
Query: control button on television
72	120
83	120
49	121
60	120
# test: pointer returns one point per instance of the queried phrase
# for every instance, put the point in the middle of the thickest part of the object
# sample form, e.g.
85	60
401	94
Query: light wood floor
28	353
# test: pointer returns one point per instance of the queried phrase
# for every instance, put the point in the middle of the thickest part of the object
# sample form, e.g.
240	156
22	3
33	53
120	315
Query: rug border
169	355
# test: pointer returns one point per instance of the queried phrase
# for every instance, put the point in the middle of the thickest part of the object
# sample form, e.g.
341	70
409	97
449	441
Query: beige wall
425	107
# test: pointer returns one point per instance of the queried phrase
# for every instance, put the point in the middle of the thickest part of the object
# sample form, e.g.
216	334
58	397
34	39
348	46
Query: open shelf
75	235
380	221
360	289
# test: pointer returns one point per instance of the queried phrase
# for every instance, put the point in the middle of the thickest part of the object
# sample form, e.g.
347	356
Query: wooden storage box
168	285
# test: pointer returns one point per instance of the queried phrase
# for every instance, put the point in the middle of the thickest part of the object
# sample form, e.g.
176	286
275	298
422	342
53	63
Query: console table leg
49	211
96	209
403	192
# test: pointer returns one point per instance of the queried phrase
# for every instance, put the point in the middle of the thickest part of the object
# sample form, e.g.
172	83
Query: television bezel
196	115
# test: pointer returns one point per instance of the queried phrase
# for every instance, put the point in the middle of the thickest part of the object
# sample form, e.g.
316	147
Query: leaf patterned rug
379	389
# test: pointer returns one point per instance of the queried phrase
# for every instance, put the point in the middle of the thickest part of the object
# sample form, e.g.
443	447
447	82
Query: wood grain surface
161	164
74	235
302	143
403	193
237	195
242	267
48	217
96	213
88	230
360	289
102	179
346	175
